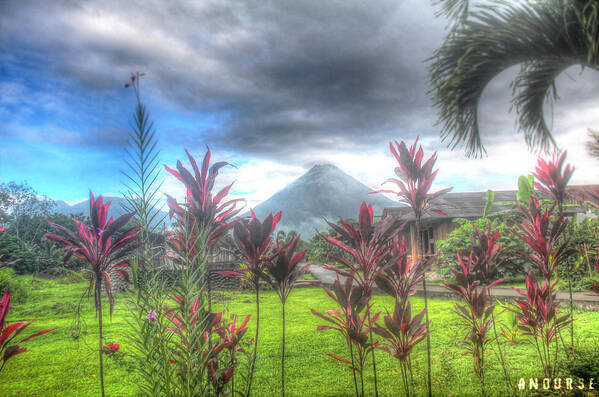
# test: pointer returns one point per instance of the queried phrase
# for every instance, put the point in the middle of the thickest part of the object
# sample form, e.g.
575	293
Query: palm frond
541	35
531	87
455	10
593	144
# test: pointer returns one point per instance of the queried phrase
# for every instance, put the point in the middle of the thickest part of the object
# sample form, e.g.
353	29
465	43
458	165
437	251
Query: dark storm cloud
281	72
282	77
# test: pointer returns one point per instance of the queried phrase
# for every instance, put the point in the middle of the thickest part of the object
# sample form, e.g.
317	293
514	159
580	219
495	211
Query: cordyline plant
401	331
553	179
477	313
252	241
400	276
222	367
414	183
106	247
201	214
544	237
204	350
368	244
282	273
354	322
200	222
539	320
483	261
8	333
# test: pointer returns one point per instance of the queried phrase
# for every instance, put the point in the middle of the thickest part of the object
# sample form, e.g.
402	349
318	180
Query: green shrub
583	363
18	289
512	265
11	249
581	236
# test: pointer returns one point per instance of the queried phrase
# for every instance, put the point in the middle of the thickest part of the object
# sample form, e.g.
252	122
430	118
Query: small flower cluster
110	348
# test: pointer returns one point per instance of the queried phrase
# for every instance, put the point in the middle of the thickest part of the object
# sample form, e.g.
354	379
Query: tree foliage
544	37
511	262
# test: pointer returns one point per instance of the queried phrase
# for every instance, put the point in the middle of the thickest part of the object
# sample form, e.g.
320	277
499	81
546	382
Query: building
468	205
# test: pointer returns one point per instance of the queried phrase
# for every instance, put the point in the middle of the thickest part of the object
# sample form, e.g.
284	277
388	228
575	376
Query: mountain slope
115	210
323	192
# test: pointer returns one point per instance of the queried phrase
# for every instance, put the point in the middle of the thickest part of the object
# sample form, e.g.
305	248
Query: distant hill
115	210
323	192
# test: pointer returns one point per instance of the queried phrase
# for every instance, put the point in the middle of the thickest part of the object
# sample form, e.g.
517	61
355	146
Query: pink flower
151	316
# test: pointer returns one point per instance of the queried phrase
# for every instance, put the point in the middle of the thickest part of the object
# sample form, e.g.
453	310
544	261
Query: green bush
18	289
583	363
512	264
581	237
321	252
11	249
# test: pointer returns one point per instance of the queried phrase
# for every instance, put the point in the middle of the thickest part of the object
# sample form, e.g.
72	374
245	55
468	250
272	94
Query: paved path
581	299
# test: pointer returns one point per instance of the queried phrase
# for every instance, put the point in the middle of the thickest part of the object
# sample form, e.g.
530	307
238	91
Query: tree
543	37
17	203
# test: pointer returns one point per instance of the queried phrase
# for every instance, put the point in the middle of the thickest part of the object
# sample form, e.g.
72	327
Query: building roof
472	204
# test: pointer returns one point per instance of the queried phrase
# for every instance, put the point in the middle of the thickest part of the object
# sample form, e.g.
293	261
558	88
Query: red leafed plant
369	245
402	333
477	313
105	246
354	322
539	319
8	333
252	241
553	178
111	348
414	183
415	178
400	276
204	218
282	273
222	368
205	211
544	237
204	336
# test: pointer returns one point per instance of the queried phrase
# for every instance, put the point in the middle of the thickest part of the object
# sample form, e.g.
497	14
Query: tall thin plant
553	179
471	282
282	273
414	183
402	331
143	172
354	321
368	244
252	241
105	245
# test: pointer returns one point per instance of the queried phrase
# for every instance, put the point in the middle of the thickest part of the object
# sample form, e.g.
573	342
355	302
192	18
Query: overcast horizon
272	87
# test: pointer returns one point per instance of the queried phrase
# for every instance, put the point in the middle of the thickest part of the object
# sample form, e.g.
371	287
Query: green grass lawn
58	365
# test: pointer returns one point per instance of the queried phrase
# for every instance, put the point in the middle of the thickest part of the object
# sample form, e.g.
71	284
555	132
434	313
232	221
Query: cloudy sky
273	87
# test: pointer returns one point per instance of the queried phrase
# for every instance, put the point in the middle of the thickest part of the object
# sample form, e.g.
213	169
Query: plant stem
353	364
249	388
482	368
420	252
283	356
508	381
571	312
376	388
99	306
411	375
